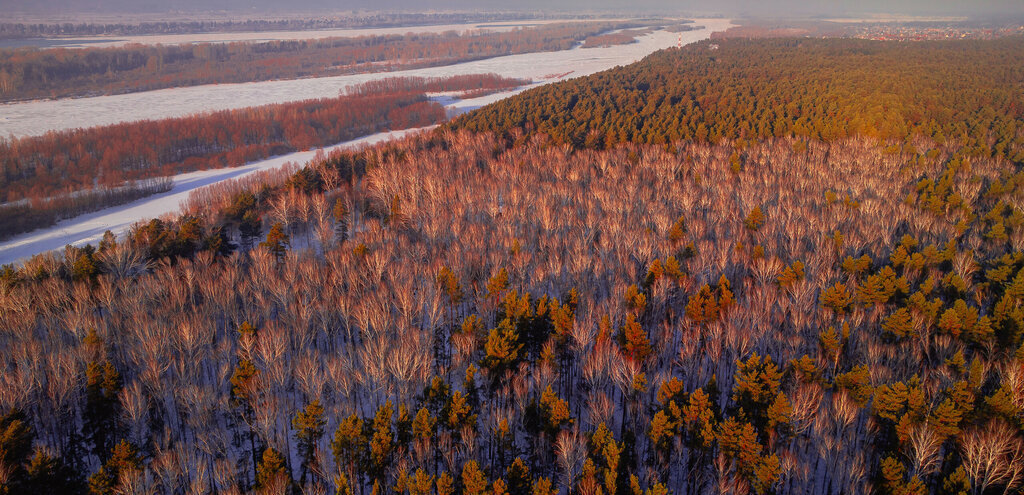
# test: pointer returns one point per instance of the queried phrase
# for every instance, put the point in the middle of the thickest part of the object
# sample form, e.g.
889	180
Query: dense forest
965	93
62	72
44	179
515	312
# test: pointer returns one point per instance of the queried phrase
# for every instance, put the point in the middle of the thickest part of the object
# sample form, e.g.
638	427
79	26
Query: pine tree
243	382
661	432
249	228
755	219
395	215
837	298
49	475
473	480
899	324
498	284
555	411
343	487
16	438
102	404
421	483
501	350
791	274
677	232
458	412
272	472
449	283
382	442
636	345
277	241
309	427
124	458
702	306
340	220
738	441
699	418
423	425
445	484
518	475
348	447
757	388
544	486
84	267
635	300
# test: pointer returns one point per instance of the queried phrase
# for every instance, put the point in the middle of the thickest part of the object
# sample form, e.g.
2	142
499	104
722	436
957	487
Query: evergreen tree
635	343
309	427
349	446
277	241
102	406
272	472
382	442
473	480
243	382
249	228
340	220
123	459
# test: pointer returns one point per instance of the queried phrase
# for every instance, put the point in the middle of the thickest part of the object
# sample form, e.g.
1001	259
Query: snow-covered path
89	228
38	117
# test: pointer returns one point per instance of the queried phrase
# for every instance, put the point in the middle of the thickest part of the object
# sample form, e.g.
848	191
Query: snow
260	36
38	117
89	228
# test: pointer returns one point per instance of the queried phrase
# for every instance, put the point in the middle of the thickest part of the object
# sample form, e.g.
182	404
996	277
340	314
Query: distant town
905	32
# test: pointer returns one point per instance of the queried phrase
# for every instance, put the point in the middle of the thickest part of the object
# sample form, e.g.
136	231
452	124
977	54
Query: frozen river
38	117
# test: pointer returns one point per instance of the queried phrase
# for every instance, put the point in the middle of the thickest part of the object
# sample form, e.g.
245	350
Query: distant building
713	46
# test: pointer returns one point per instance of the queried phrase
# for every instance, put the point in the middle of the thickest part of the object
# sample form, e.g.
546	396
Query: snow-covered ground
543	68
89	228
257	36
38	117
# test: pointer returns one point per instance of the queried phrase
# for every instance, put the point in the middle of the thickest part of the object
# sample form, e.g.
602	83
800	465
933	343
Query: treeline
66	161
57	73
36	213
60	162
42	169
475	83
10	30
683	27
967	93
623	37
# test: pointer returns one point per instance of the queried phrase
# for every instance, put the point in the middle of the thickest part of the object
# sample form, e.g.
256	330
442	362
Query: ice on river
37	117
40	116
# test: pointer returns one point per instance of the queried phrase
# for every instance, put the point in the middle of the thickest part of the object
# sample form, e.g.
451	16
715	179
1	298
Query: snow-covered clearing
38	117
543	68
89	228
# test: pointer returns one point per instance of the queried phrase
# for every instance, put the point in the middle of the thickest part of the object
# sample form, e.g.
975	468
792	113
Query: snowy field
177	39
38	117
543	68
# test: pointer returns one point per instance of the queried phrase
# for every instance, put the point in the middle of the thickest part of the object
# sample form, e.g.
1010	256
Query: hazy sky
760	7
